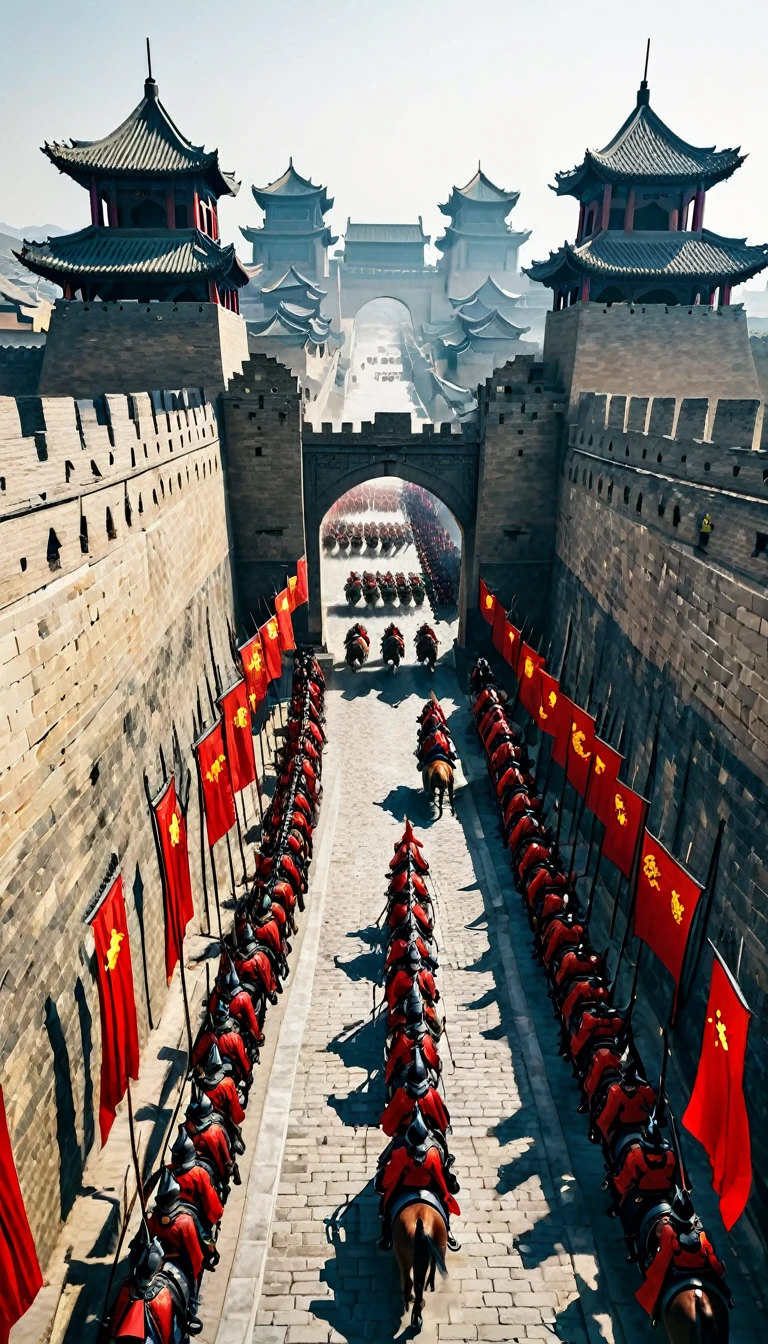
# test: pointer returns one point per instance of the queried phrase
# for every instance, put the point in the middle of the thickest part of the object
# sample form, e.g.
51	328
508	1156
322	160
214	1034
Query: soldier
154	1304
417	1088
220	1089
181	1235
222	1031
415	1162
211	1142
195	1181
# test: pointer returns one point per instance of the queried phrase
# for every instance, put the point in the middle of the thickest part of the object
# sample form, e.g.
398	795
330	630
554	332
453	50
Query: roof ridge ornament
644	93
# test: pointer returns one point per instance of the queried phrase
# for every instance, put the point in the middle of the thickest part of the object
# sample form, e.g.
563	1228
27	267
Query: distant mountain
36	231
13	270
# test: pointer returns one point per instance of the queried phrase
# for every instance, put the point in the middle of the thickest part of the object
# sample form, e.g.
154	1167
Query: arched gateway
445	463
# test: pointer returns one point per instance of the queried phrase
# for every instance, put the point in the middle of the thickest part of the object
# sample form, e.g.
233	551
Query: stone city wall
676	638
114	556
94	348
522	421
650	351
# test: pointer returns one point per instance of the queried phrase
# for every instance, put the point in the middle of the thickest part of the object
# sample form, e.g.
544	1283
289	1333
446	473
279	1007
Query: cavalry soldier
411	1010
211	1142
181	1235
194	1181
154	1304
415	1163
417	1088
254	967
683	1248
220	1088
409	906
413	972
222	1031
645	1166
407	1037
409	935
628	1100
596	1024
408	845
229	990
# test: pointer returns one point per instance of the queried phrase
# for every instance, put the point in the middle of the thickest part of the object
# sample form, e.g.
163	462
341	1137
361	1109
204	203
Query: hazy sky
389	103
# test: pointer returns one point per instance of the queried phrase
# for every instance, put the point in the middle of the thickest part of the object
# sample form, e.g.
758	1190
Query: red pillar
170	206
214	224
698	210
213	292
584	296
95	203
196	210
580	229
725	295
673	221
629	213
112	207
606	211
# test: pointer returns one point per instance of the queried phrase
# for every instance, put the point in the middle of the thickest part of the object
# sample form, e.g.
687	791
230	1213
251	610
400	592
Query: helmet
652	1135
213	1068
413	1006
228	983
145	1258
168	1192
183	1154
417	1136
417	1079
221	1018
199	1112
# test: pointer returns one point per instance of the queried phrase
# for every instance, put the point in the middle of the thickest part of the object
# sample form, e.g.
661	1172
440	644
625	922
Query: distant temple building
641	235
390	247
154	231
478	239
293	329
480	335
294	232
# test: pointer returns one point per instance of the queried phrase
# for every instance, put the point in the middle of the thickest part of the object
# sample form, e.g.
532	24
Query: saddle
405	1198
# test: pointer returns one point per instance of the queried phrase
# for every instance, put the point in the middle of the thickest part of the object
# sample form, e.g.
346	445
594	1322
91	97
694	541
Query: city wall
93	348
673	626
114	560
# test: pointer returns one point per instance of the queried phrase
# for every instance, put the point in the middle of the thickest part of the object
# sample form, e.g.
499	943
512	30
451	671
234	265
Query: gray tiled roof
291	183
671	255
98	252
480	189
385	233
646	148
147	143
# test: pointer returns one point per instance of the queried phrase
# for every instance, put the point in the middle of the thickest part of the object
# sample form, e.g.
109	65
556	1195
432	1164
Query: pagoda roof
291	183
293	279
460	331
479	189
385	233
674	256
99	253
452	236
494	327
254	232
462	399
147	144
488	295
293	328
645	149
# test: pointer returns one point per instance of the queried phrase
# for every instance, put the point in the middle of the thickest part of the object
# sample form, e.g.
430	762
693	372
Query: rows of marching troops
349	535
416	1162
176	1242
628	1116
370	587
367	498
439	556
357	646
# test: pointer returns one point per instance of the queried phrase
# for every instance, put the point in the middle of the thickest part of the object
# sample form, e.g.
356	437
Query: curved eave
569	262
253	233
266	196
211	262
458	201
592	172
81	171
452	236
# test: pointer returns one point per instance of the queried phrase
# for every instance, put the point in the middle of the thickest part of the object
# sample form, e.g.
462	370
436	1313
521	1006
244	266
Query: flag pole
580	811
229	857
633	883
562	791
135	1155
591	899
201	809
616	904
216	892
709	888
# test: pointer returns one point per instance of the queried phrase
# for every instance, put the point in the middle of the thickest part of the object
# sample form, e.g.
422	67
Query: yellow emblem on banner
256	664
719	1026
528	668
678	909
240	717
652	872
621	815
174	829
599	766
217	766
577	741
488	601
113	951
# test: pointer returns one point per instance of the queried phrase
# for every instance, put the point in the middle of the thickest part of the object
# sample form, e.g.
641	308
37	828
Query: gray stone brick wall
653	351
94	348
100	658
676	638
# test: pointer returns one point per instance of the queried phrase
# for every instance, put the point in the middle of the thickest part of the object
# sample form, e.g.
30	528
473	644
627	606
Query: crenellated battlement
389	426
667	465
77	477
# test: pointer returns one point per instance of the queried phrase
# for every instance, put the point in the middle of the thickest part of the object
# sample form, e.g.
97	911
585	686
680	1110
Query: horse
438	779
392	647
357	646
419	1238
694	1316
426	646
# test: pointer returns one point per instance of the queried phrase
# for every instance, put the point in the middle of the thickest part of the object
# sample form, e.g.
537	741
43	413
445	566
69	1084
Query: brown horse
419	1237
694	1316
438	779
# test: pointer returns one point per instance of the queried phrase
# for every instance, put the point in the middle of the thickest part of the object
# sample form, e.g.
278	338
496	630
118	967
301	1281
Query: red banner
254	671
238	736
270	643
665	904
529	668
302	587
487	603
177	885
218	798
581	748
624	819
499	630
511	643
549	710
284	623
119	1030
20	1277
717	1113
561	748
603	781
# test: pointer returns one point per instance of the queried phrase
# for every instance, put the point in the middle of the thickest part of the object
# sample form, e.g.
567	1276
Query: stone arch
386	464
